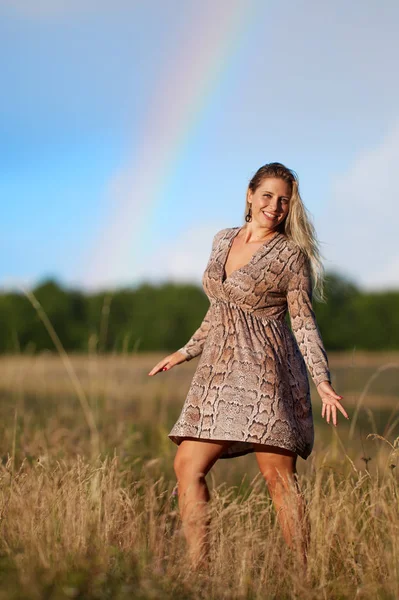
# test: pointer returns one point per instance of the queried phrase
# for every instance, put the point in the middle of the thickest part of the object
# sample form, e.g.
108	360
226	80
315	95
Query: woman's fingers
334	415
337	404
329	408
341	408
159	366
168	362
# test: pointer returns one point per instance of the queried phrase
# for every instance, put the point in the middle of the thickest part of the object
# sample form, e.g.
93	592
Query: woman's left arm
307	334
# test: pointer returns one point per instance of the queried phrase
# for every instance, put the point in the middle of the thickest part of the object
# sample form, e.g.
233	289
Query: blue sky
129	133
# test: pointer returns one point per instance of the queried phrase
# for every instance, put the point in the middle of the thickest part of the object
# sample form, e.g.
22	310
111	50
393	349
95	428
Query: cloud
360	224
182	260
17	284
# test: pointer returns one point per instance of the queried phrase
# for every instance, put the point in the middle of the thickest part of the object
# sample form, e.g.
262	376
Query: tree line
163	318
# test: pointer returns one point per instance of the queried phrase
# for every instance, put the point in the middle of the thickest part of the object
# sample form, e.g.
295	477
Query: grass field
88	505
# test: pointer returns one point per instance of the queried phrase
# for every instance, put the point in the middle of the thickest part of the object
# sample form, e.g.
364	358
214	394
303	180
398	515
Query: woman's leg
193	460
278	467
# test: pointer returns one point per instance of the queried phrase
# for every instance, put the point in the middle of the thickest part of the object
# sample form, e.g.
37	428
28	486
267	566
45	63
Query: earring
248	216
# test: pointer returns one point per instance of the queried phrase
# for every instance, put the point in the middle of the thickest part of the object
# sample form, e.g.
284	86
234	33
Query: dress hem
177	439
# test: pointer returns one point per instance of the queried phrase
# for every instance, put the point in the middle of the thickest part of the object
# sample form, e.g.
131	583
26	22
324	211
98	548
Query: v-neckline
225	277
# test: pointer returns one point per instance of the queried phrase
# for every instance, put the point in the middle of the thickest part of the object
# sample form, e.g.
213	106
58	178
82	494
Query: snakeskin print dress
251	383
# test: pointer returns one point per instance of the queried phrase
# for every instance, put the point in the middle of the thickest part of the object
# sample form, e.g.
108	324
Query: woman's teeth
269	215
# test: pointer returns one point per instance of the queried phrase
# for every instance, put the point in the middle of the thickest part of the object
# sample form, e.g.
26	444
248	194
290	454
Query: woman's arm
303	319
196	343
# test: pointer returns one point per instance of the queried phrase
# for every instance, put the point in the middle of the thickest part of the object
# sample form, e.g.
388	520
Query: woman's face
270	202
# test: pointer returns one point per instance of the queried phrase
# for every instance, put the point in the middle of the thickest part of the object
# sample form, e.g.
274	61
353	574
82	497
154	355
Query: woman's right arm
188	351
196	343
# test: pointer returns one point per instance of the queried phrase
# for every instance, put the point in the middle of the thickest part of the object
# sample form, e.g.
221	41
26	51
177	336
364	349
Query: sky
130	131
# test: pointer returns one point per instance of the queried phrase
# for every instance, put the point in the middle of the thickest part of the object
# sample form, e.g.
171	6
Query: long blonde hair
297	226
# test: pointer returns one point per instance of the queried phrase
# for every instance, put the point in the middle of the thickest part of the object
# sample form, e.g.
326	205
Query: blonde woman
250	391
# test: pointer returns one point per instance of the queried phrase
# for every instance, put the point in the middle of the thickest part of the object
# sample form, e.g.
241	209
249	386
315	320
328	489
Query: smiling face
270	202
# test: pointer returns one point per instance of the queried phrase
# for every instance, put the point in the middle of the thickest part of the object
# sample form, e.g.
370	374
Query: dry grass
84	520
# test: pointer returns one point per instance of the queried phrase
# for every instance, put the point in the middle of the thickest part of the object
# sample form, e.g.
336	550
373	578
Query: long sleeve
303	319
196	343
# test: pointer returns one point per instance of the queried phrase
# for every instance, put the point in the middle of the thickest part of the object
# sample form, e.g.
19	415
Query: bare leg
278	467
193	460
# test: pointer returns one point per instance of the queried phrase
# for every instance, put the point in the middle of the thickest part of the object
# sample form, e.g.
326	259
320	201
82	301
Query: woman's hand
168	362
331	401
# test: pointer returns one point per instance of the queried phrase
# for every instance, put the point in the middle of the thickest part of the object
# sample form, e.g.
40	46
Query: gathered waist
258	313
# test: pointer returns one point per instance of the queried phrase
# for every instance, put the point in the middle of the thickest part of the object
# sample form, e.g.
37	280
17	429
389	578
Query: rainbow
190	75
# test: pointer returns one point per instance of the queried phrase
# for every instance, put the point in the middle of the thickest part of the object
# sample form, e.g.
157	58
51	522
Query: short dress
251	383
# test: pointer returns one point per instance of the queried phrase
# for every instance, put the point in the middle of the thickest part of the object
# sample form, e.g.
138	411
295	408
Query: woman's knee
279	474
194	458
186	467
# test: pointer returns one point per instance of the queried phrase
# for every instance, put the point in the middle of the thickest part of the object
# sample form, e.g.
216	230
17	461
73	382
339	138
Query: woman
250	391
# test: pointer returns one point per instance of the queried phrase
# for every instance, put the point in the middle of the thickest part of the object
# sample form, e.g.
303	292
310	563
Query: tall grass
100	520
72	529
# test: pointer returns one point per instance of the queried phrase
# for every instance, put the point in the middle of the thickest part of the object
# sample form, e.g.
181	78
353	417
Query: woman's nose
273	204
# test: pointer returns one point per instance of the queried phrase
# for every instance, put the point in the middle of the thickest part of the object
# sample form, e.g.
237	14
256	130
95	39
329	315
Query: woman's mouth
269	216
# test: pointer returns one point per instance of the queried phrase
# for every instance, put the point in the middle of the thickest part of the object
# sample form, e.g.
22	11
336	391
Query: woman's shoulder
291	246
294	257
219	235
225	231
284	242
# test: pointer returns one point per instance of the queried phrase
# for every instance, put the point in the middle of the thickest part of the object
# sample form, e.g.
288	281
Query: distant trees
354	318
164	317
